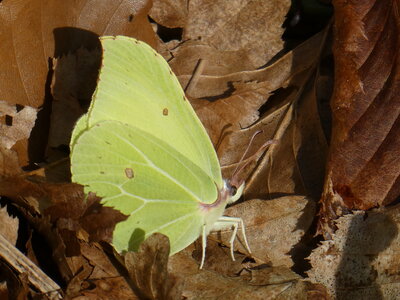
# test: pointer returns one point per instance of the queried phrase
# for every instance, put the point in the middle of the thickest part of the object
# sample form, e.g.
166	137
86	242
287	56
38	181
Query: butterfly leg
226	222
203	246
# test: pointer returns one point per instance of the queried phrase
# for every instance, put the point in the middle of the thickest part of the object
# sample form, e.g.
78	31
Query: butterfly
142	148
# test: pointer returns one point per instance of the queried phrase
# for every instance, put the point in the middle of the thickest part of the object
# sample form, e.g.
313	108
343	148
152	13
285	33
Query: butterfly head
235	185
235	189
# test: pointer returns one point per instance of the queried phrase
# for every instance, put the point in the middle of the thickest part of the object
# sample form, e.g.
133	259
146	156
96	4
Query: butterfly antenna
241	166
245	152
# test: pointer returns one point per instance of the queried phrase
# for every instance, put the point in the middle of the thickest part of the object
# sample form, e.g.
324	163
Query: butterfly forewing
137	87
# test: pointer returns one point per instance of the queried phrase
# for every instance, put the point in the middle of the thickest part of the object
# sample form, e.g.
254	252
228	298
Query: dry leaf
291	117
216	80
216	62
94	269
9	226
4	290
148	269
364	162
9	163
16	286
273	227
63	28
262	282
221	30
107	288
295	165
18	123
171	13
235	25
362	259
59	212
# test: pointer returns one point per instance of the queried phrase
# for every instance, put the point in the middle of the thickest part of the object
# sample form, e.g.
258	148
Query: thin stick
22	264
198	70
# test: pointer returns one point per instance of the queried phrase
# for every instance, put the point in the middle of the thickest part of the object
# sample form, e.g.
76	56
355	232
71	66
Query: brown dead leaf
64	205
222	29
18	123
80	222
81	270
38	197
9	163
24	69
24	193
148	269
364	165
216	79
235	25
28	43
296	164
273	227
96	275
362	259
216	62
9	226
102	266
108	288
60	214
16	287
71	211
233	113
169	13
262	282
3	290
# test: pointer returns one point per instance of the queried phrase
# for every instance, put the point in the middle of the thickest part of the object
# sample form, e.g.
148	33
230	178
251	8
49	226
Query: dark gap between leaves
304	247
37	142
304	19
167	34
19	107
41	250
275	100
8	120
44	254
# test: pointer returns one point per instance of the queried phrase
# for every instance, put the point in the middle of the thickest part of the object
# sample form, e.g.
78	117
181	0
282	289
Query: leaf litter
240	79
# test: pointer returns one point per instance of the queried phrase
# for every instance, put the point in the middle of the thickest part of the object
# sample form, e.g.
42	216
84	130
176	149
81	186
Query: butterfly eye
233	190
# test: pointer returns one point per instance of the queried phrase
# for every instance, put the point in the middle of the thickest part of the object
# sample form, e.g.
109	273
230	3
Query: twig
18	261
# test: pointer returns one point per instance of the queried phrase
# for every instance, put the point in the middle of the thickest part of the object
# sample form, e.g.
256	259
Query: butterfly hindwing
146	179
